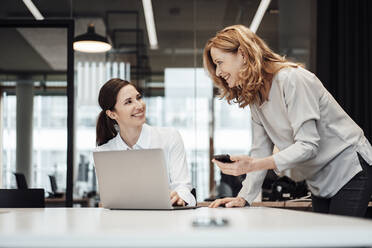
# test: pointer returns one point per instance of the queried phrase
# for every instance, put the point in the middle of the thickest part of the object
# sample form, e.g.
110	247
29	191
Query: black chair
53	185
21	180
193	192
22	198
229	185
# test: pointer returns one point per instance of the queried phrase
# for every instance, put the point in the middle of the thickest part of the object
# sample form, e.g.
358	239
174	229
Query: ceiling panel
179	24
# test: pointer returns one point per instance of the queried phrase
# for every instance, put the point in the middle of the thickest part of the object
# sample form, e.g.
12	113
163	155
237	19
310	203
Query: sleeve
179	172
301	94
262	146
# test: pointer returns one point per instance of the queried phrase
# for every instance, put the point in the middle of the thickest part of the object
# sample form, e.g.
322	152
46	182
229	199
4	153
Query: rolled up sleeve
301	94
304	148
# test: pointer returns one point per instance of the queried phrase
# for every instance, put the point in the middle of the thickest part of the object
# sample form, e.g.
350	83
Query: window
49	141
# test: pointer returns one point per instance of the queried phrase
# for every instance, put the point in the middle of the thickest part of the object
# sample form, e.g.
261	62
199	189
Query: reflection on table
246	227
61	202
292	205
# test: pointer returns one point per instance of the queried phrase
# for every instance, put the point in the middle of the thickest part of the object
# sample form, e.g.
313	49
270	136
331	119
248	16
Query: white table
248	227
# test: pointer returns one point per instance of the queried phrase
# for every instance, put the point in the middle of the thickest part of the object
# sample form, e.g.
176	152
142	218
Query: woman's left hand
242	164
176	199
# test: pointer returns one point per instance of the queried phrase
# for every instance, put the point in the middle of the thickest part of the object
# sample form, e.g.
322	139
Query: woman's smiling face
228	65
130	109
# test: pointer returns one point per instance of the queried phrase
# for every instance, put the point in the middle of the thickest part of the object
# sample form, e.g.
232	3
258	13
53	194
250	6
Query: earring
117	128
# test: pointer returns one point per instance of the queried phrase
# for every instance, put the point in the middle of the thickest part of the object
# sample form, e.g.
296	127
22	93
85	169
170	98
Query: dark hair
105	129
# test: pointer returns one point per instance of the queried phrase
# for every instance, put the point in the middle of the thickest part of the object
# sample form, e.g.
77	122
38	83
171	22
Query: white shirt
317	140
171	142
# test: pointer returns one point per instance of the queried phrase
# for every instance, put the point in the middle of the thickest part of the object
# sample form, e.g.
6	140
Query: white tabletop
247	227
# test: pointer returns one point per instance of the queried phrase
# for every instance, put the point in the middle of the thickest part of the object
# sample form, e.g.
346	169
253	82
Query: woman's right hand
176	200
242	164
229	202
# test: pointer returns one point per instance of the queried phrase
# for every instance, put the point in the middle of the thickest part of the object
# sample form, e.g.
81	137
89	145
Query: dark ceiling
182	29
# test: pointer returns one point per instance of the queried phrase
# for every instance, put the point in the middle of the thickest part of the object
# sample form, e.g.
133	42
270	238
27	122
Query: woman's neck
130	135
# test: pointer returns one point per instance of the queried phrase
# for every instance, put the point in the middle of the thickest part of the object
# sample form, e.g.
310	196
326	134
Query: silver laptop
133	179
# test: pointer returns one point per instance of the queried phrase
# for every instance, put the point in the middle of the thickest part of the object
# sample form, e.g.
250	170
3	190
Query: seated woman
121	126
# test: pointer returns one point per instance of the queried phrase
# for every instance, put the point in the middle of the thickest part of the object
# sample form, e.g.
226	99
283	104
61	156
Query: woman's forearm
266	163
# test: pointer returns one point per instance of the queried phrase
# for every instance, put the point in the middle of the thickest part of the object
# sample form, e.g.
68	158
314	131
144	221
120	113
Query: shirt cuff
280	165
186	195
248	201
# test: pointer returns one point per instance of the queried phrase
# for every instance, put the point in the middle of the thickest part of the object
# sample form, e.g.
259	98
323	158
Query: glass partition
177	90
33	82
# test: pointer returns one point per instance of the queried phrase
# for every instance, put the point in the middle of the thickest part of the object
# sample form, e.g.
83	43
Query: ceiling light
150	24
34	11
259	15
91	42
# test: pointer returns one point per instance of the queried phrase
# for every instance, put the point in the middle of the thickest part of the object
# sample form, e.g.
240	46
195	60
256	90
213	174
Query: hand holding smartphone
224	158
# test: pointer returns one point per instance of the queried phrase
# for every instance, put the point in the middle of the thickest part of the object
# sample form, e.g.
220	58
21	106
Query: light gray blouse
317	141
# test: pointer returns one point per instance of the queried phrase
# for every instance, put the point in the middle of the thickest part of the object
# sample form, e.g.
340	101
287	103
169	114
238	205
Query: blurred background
49	92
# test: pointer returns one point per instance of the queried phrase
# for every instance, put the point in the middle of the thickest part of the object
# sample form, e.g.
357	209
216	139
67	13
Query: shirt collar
142	143
145	137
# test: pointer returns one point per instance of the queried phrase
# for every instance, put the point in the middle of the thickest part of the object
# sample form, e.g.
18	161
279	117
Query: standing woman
121	126
292	110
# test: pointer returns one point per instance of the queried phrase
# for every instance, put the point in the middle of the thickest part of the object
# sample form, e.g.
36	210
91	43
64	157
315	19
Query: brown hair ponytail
105	129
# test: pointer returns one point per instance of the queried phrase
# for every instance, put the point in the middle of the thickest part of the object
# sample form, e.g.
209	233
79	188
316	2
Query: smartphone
224	158
209	222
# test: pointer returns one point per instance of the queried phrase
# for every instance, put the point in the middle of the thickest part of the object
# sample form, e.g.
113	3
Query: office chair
193	192
229	185
21	180
53	185
22	198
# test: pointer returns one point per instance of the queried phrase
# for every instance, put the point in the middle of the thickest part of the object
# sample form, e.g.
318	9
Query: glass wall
33	83
177	90
49	142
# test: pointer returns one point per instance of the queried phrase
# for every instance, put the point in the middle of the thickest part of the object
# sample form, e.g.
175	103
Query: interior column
24	129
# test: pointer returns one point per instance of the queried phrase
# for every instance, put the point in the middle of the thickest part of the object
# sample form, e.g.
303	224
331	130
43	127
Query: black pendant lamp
91	42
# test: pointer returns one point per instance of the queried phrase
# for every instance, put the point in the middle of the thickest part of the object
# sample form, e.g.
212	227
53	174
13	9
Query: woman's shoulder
298	80
164	131
165	135
289	72
109	146
292	76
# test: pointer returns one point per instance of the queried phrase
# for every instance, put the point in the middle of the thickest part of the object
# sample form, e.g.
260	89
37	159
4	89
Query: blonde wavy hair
254	74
